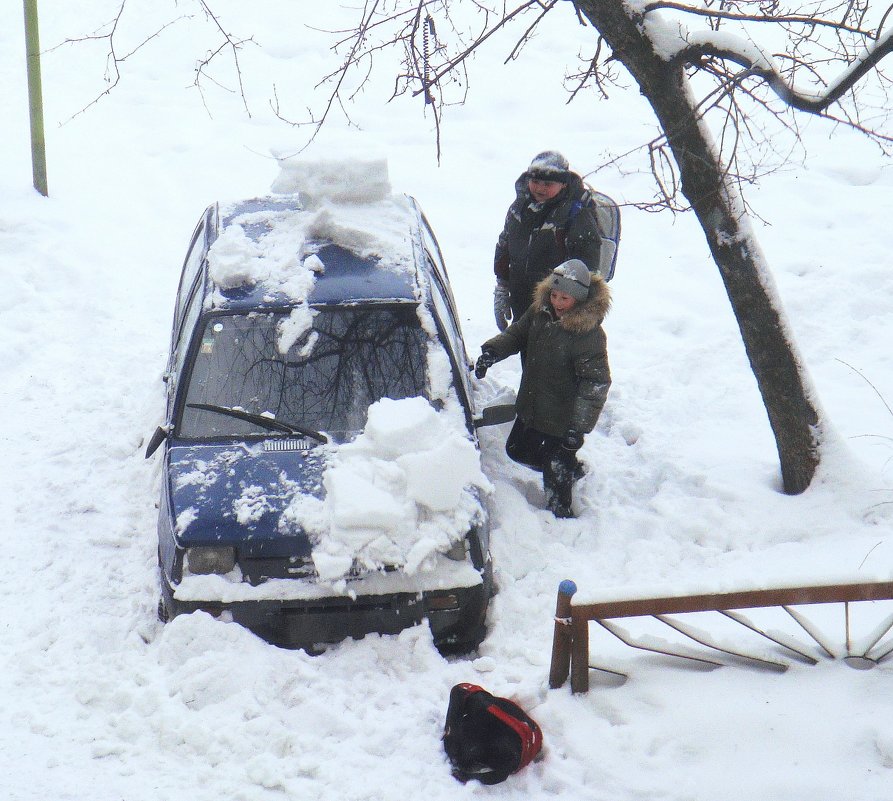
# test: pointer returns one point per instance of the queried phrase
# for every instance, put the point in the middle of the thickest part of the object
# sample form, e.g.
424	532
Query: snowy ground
101	702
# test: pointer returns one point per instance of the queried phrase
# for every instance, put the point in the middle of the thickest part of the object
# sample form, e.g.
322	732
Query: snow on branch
697	46
676	44
719	14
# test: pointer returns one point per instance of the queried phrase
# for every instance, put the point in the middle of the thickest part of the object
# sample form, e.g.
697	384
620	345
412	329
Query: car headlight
458	551
204	560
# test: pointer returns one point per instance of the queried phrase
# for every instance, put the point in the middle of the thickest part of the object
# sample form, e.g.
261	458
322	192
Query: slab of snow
349	180
404	490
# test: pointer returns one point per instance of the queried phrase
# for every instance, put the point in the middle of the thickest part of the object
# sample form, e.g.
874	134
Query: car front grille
256	570
289	444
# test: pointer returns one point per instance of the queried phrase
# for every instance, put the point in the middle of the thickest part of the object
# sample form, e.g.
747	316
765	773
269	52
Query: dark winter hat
572	278
549	165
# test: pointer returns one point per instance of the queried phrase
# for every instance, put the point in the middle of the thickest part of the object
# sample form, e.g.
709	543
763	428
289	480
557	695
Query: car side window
433	248
438	268
181	346
191	268
450	323
435	257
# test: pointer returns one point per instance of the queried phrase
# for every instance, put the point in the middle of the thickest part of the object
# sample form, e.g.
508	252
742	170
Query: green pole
35	98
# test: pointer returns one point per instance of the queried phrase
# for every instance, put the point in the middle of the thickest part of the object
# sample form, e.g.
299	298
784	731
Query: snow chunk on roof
399	494
273	258
346	203
337	180
353	205
380	229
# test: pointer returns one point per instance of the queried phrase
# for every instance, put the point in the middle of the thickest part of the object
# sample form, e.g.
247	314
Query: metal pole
579	654
35	99
561	639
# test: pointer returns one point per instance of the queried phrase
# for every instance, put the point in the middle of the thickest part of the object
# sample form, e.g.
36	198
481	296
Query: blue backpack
607	218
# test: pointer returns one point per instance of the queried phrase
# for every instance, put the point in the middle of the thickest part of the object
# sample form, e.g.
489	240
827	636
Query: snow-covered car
321	476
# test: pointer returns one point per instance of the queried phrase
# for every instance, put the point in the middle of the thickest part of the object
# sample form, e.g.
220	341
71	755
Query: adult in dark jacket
565	377
549	223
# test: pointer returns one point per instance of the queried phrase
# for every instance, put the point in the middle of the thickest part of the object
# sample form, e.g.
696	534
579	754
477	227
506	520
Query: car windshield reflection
326	379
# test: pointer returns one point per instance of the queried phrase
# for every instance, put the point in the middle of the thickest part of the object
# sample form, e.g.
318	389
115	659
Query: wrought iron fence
571	641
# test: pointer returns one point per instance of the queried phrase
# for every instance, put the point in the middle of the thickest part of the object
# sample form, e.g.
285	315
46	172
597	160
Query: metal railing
570	645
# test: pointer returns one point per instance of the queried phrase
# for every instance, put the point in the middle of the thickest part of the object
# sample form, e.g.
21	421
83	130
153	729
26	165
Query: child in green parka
565	376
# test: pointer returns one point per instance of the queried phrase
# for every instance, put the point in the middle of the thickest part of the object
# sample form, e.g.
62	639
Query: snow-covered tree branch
701	45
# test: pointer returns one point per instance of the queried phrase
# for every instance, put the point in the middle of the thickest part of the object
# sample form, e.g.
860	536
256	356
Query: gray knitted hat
549	165
573	278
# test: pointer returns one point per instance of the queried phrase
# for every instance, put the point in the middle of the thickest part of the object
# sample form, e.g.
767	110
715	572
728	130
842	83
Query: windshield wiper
269	423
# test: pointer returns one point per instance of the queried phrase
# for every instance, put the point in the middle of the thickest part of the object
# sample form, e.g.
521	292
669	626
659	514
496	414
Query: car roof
345	276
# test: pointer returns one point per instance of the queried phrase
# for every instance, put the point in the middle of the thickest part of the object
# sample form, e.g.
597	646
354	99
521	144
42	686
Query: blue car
264	380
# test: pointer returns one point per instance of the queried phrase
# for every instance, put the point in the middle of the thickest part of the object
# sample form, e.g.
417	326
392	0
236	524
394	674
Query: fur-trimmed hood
584	316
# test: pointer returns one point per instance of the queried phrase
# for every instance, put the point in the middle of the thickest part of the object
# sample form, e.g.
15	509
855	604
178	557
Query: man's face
542	191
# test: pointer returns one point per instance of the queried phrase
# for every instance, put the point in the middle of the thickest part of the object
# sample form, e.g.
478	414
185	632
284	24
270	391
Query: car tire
465	646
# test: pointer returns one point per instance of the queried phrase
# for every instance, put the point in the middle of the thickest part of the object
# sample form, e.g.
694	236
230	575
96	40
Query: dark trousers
543	452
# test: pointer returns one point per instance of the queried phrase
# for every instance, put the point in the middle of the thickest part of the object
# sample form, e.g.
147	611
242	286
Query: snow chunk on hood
400	493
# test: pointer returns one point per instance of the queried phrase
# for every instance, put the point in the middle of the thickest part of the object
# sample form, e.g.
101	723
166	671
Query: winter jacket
566	377
537	237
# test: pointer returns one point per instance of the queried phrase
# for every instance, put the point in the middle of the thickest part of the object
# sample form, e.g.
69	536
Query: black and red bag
486	737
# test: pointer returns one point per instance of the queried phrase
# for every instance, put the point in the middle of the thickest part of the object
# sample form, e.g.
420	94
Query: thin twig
862	375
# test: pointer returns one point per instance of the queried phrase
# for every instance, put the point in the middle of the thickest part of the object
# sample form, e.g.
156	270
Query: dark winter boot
557	508
559	475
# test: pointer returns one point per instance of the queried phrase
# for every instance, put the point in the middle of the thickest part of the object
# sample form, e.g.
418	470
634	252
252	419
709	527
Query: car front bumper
456	616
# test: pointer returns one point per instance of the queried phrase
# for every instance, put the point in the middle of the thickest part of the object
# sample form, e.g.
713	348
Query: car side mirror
495	415
158	437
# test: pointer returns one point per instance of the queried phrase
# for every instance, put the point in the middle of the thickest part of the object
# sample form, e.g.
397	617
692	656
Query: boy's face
544	190
561	302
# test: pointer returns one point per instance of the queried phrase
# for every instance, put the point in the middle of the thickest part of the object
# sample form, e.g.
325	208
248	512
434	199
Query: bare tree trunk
793	414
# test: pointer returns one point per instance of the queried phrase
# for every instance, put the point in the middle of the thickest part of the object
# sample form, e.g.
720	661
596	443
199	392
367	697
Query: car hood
235	493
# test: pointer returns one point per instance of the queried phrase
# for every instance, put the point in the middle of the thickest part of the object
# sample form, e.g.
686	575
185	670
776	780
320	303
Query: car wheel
163	614
467	644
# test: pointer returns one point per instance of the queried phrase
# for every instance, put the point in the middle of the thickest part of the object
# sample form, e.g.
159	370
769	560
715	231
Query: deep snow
102	702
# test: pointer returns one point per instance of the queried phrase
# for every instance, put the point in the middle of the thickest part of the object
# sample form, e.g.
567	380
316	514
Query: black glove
502	305
485	361
573	441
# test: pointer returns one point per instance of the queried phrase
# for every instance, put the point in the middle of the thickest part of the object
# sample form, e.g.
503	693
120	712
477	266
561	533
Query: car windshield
326	380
